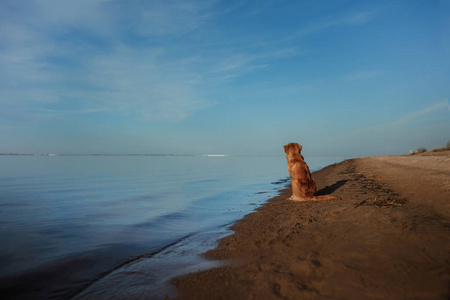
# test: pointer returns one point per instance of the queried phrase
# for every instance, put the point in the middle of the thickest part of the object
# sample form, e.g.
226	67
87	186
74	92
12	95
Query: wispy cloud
77	51
439	106
408	119
7	127
67	112
241	63
125	58
356	19
360	75
398	135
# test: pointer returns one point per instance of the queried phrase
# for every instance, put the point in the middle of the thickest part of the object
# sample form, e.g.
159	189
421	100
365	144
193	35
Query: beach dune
387	238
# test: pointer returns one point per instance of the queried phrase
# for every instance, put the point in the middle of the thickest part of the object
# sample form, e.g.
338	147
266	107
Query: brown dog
303	185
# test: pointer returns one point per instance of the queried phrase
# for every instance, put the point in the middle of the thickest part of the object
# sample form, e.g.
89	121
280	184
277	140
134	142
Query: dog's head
292	147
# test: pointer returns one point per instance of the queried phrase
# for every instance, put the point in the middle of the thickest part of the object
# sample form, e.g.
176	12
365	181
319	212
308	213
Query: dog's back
303	185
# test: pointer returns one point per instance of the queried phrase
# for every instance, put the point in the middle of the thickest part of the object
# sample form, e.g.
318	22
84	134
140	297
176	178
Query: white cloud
148	18
363	75
241	63
104	55
358	18
69	12
133	82
172	17
7	127
353	20
410	118
427	127
42	61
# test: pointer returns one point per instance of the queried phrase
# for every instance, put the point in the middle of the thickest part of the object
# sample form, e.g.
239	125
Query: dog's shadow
331	188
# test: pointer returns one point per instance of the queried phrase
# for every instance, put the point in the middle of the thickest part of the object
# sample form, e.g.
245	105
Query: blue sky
236	77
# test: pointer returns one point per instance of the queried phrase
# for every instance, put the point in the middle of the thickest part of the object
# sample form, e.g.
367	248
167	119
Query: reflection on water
96	220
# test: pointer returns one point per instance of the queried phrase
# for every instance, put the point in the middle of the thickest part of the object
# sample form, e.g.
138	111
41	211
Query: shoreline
388	237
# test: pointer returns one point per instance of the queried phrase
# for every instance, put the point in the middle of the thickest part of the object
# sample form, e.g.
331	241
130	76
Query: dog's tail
326	197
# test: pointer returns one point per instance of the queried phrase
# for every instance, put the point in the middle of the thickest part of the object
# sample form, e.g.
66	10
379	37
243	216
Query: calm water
111	227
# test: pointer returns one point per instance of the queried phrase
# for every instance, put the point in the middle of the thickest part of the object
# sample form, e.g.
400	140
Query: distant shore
387	238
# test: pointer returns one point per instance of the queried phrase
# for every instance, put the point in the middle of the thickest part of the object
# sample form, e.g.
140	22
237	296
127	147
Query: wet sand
387	238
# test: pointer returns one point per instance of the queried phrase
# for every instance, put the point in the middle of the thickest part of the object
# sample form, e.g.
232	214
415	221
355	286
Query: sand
388	237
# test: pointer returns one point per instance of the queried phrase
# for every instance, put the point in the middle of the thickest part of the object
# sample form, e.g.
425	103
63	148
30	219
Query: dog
303	185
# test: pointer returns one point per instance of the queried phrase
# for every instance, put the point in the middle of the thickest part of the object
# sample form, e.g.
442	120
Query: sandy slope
387	238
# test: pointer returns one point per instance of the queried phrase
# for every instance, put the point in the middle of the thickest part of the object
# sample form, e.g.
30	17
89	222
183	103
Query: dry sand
387	238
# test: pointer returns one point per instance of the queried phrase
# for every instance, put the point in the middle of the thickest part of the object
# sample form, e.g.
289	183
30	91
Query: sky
353	78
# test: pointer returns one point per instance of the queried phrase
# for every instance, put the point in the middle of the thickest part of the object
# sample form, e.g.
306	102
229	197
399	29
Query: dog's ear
300	147
286	147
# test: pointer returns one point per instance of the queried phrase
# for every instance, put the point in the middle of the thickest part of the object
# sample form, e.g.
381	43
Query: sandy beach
388	237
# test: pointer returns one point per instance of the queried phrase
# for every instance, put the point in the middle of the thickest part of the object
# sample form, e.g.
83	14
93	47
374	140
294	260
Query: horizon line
155	154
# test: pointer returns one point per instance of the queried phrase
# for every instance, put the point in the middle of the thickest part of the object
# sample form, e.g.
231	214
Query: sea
120	227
